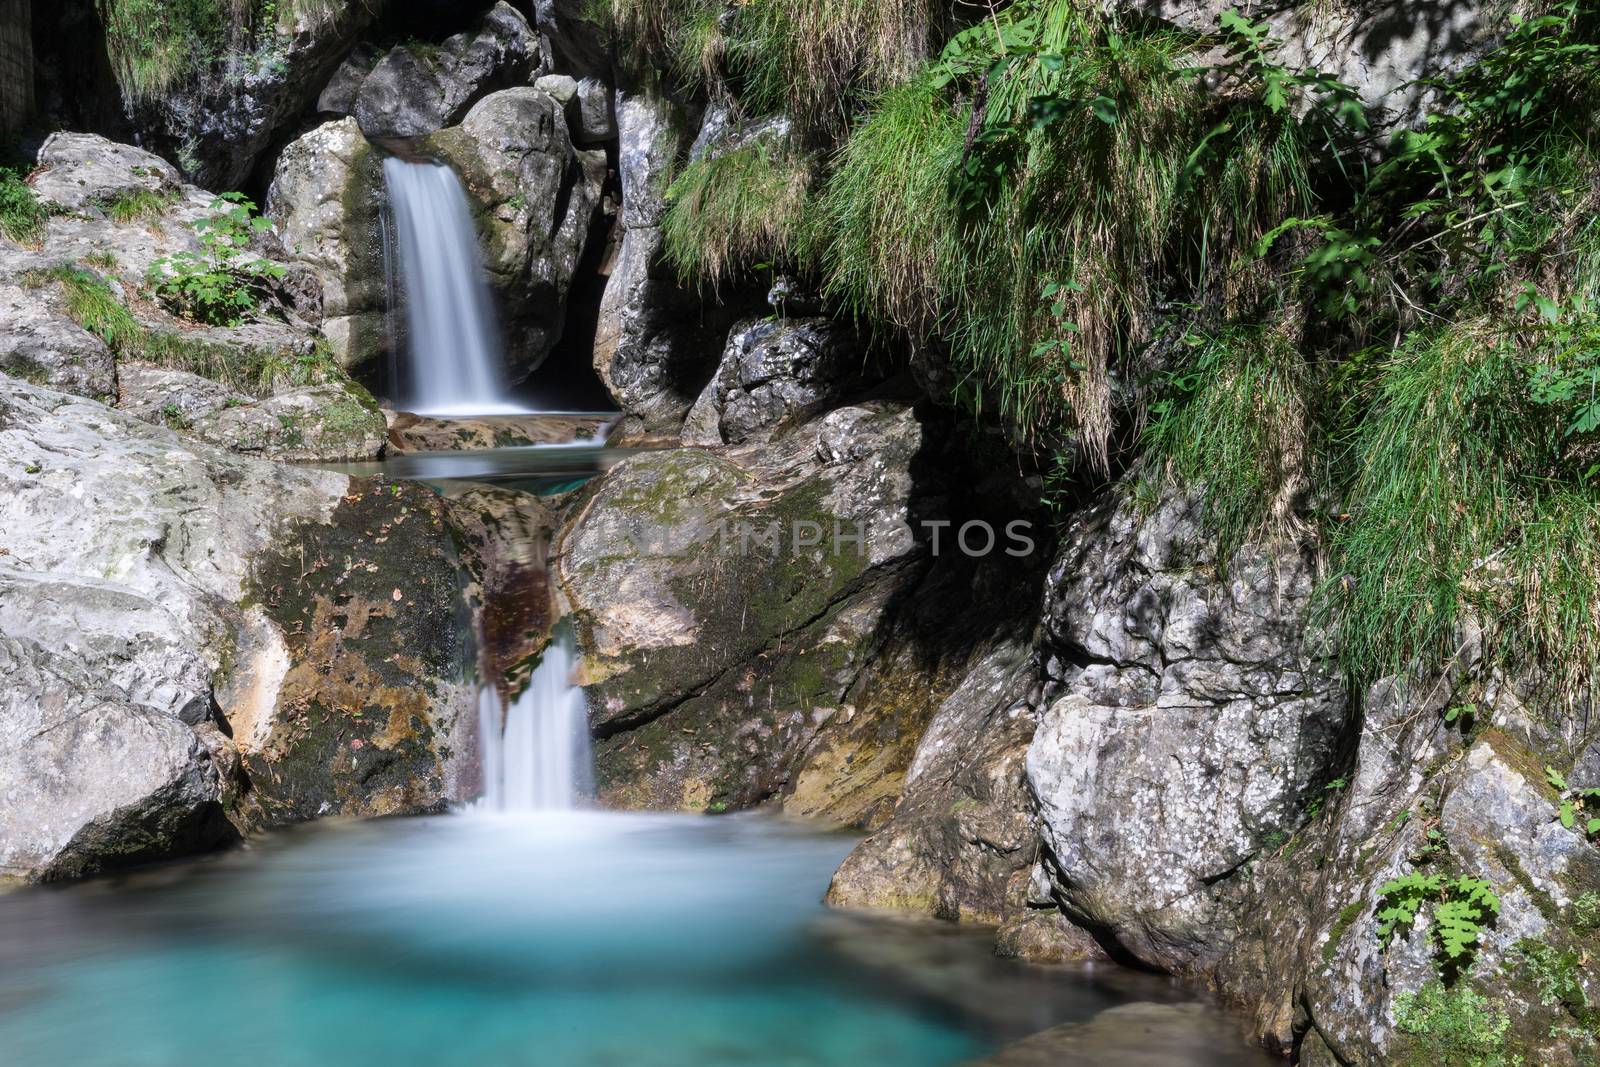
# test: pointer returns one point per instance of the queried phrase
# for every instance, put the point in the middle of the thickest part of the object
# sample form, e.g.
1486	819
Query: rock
80	171
713	658
962	828
40	344
218	125
1388	51
535	198
325	197
653	336
314	422
504	536
172	398
563	89
414	91
1141	1034
1194	723
414	433
775	374
1485	798
580	45
338	97
595	124
150	585
89	780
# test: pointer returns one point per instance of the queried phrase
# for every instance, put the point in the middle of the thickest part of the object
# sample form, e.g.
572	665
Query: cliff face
1131	737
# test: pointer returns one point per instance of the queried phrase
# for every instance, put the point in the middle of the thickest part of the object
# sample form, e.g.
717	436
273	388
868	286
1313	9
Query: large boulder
1194	723
727	604
416	90
775	373
535	198
158	594
326	196
218	125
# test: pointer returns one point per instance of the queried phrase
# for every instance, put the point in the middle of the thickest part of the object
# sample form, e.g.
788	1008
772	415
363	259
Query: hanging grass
1233	426
730	210
1458	511
1033	224
802	57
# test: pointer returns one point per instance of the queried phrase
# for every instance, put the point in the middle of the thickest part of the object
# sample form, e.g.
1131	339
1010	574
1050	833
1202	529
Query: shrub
225	282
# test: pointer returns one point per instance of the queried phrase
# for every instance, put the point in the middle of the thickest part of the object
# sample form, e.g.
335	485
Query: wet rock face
361	636
535	198
1192	725
713	657
415	90
144	657
774	374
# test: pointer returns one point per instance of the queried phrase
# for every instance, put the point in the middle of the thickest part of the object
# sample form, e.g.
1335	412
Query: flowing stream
454	357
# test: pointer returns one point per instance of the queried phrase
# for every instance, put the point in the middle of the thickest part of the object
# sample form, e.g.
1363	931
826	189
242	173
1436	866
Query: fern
1463	907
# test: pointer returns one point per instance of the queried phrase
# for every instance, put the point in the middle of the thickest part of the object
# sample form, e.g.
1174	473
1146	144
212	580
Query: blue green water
577	940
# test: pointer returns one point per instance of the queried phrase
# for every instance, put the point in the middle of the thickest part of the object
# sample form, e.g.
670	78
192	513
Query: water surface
570	940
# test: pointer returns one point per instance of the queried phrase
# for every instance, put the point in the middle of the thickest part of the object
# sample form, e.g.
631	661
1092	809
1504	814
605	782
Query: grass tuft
22	217
729	210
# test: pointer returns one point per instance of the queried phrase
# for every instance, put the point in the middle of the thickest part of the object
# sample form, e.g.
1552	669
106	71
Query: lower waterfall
539	759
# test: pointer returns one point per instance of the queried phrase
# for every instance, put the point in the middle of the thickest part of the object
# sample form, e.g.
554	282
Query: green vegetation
1462	907
21	215
134	205
734	208
1454	1026
92	305
225	282
156	45
1214	275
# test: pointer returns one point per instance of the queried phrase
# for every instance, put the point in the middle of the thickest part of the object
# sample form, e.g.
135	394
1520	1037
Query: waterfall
539	761
452	343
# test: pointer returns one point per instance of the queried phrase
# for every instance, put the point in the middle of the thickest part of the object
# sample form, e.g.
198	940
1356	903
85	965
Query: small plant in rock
1462	907
21	215
1455	1026
225	282
1577	805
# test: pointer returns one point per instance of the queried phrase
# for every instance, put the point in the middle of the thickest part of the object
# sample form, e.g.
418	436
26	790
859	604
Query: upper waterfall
452	349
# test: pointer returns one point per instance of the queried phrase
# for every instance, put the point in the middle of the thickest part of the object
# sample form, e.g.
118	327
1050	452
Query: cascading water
539	760
452	346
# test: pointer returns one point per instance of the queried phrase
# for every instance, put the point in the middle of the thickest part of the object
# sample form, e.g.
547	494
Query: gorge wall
1134	739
